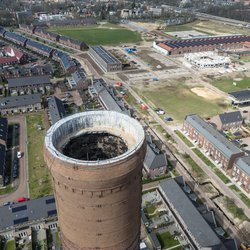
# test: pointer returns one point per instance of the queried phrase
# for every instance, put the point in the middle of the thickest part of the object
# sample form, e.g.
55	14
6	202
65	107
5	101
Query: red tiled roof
17	53
164	46
11	59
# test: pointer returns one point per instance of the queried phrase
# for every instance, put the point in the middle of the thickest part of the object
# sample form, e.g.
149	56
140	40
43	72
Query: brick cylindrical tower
96	159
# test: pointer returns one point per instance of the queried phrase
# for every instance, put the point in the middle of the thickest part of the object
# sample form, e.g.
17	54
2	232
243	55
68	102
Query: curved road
22	181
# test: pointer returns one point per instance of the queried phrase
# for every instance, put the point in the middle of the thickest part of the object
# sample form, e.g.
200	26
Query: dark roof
105	55
65	60
243	163
28	81
185	209
154	158
206	41
26	212
154	240
56	109
2	160
18	101
211	134
3	129
242	95
39	46
68	39
15	37
109	101
231	117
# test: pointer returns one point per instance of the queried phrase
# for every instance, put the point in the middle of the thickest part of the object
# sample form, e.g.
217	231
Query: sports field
231	84
178	100
101	34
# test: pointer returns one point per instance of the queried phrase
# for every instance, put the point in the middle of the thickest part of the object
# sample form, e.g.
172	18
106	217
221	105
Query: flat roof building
104	59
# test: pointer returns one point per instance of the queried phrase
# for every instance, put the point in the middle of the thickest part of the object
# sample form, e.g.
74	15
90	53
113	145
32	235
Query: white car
19	154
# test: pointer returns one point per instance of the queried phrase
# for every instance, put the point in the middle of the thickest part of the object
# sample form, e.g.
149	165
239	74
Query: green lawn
167	240
226	84
184	138
39	177
178	101
245	59
10	245
100	35
150	209
162	177
221	176
203	158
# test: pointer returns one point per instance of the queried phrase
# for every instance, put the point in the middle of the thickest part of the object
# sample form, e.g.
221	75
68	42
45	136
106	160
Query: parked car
19	154
22	199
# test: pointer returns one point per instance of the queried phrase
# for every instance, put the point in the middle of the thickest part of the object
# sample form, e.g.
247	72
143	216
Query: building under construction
96	159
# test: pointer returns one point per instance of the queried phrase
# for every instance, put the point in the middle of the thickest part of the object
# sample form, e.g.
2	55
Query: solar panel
21	220
52	212
51	200
17	209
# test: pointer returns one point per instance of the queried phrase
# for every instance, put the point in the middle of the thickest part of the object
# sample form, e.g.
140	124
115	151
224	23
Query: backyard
39	177
167	240
100	35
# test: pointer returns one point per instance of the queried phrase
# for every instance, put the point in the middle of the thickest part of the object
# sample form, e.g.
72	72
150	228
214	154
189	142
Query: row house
3	143
241	172
39	48
27	28
66	62
72	43
47	35
2	31
215	144
20	104
15	38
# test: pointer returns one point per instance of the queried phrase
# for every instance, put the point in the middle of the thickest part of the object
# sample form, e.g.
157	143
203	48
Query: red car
22	199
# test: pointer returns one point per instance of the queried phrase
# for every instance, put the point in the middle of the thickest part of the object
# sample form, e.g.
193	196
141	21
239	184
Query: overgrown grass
167	240
165	176
8	189
184	138
221	176
203	157
242	196
195	168
234	209
150	209
39	177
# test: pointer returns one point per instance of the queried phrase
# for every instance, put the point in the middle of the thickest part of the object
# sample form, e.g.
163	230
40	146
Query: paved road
22	189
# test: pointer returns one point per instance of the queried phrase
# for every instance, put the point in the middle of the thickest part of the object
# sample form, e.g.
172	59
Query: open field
178	100
226	84
39	177
209	27
103	35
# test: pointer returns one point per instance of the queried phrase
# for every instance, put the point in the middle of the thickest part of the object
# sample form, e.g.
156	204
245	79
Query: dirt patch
206	93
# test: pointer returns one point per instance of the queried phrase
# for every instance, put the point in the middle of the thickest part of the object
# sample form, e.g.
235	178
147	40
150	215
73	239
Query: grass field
103	35
243	197
167	240
221	176
209	27
8	189
184	138
203	158
178	101
10	245
39	177
226	84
